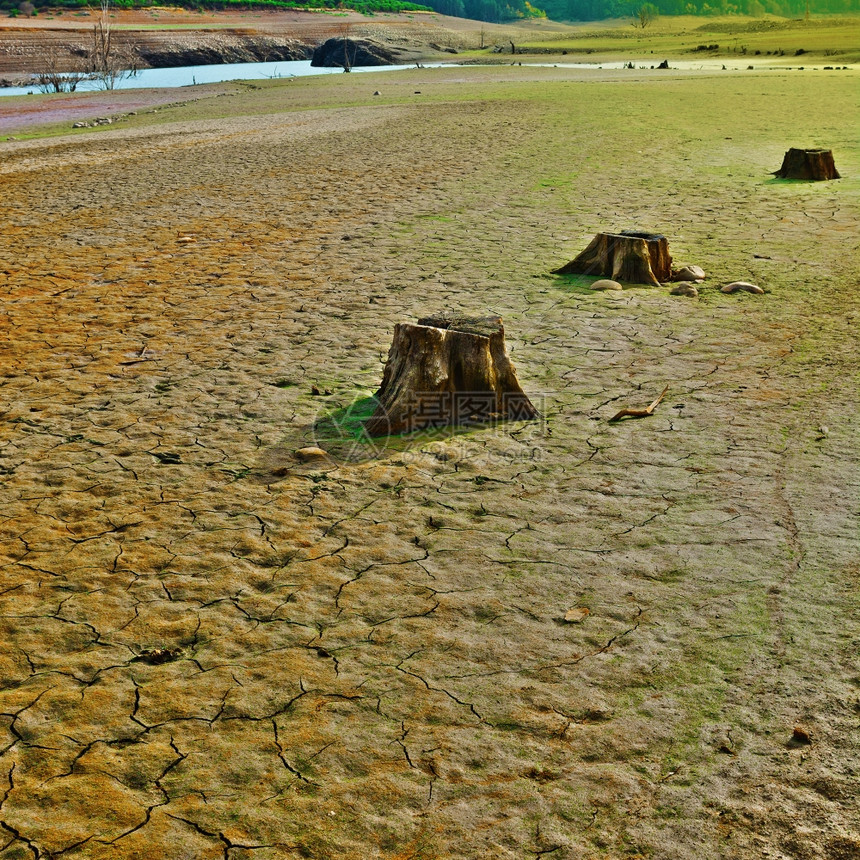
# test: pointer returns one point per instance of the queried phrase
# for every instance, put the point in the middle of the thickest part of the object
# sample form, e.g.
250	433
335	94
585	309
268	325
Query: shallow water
184	76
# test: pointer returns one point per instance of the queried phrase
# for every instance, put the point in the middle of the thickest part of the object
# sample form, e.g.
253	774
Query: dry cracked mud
213	650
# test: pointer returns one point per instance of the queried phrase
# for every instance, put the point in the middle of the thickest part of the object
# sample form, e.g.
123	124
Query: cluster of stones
686	283
102	120
645	259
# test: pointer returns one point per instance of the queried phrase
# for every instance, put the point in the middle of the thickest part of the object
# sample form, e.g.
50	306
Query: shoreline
164	38
41	115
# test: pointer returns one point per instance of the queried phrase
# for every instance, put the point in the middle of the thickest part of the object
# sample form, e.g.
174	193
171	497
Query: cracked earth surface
212	650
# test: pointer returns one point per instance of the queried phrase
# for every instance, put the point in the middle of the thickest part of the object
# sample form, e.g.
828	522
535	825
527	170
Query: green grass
824	38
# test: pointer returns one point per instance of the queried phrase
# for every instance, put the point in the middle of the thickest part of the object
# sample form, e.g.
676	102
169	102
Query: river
184	76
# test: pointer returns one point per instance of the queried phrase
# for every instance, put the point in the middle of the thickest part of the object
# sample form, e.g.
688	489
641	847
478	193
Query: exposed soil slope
164	37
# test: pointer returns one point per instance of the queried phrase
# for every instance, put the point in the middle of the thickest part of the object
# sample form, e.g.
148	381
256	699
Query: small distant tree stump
631	257
446	371
808	164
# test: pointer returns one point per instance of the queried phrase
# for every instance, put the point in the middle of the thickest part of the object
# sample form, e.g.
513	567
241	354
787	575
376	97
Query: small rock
741	286
167	458
801	736
311	453
157	656
606	285
577	615
685	288
689	273
80	125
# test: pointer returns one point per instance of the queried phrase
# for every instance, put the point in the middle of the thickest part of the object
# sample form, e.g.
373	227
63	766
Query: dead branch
640	413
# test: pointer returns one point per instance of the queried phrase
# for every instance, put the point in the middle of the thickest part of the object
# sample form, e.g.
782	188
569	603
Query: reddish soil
20	115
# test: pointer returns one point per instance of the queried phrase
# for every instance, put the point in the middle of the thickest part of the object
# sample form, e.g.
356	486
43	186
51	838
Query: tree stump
814	164
447	371
635	258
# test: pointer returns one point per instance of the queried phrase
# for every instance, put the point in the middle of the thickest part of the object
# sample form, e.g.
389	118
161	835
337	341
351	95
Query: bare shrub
57	77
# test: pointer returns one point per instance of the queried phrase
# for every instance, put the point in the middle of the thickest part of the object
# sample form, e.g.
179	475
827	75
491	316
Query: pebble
741	286
800	735
685	288
157	656
311	452
689	273
606	285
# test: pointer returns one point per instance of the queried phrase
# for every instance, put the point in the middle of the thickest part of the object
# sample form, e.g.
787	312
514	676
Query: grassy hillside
837	39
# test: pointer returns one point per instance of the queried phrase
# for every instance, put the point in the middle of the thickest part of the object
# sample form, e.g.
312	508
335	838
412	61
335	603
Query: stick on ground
640	413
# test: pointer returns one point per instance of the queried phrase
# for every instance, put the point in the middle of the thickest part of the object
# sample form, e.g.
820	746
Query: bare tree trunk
347	60
108	62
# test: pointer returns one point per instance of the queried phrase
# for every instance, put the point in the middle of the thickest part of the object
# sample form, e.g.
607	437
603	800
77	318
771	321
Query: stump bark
814	164
629	256
446	371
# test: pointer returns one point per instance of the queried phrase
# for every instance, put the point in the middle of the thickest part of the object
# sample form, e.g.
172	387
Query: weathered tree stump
446	371
635	258
814	164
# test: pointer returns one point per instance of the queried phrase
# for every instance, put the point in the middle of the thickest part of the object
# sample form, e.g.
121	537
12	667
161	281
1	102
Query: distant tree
27	8
107	62
645	15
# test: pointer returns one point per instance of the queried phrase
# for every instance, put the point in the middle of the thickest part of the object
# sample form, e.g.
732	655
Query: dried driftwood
640	413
